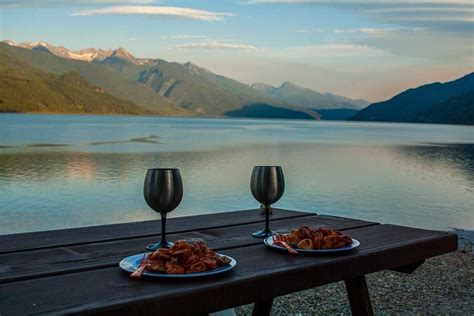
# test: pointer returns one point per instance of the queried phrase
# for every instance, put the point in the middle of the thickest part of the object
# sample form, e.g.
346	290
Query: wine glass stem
267	218
163	230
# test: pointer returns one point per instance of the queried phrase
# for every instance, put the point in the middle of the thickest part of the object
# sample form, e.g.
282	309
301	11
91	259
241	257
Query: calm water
63	171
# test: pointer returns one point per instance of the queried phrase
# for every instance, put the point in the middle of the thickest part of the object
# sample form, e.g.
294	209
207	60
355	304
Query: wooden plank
14	267
359	297
259	268
82	235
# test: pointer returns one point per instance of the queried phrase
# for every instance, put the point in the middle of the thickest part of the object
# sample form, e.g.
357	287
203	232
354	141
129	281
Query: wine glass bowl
163	191
267	185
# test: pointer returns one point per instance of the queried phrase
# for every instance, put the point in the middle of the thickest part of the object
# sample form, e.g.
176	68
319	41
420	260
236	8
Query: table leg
262	307
359	297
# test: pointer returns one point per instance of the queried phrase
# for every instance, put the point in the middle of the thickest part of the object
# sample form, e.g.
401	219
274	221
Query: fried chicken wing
279	239
306	244
210	263
162	253
197	267
172	268
307	238
183	257
157	266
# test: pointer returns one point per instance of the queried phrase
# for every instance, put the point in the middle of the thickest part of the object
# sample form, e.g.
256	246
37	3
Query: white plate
131	264
355	243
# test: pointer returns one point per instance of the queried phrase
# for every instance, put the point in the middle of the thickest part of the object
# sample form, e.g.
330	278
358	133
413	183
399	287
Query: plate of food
308	240
183	260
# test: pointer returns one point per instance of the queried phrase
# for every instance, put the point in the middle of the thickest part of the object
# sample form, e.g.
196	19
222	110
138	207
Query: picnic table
75	271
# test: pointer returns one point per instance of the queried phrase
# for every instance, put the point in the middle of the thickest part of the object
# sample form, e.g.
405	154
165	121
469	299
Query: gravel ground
441	286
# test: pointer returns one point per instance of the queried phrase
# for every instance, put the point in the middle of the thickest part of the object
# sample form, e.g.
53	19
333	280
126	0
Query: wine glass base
153	247
262	234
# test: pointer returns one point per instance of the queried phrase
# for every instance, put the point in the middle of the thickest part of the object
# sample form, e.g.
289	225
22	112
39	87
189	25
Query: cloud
431	18
71	3
178	12
420	8
448	16
313	53
425	47
361	1
181	36
365	30
374	31
377	31
333	50
217	45
422	13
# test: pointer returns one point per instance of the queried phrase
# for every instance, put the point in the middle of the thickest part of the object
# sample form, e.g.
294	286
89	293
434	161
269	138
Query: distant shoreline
226	118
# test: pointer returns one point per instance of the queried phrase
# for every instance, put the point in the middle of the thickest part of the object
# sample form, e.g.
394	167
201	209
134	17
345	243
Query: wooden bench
75	271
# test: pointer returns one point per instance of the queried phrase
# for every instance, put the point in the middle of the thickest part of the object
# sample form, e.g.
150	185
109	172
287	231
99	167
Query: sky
371	49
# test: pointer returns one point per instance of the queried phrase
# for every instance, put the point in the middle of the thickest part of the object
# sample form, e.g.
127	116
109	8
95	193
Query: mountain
435	102
455	110
291	93
26	88
38	76
181	89
268	89
87	54
195	88
99	76
266	111
337	114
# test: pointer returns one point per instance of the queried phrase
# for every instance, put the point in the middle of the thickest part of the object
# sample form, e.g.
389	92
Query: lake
59	171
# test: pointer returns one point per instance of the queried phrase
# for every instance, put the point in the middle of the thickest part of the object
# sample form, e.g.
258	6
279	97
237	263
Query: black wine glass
163	191
267	184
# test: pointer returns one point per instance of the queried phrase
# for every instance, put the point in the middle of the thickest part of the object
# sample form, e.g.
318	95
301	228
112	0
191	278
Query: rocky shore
441	286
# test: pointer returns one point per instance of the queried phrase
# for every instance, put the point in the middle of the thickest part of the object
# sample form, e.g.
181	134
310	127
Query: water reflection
426	186
448	157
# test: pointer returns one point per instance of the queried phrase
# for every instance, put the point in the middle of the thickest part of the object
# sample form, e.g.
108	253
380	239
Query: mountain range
87	54
40	77
292	93
168	88
329	106
26	88
450	103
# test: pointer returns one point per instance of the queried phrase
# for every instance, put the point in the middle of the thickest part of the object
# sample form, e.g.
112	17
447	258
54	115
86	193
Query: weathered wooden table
76	270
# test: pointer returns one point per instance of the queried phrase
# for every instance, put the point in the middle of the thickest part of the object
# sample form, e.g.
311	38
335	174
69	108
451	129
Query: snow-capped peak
9	42
124	54
87	54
